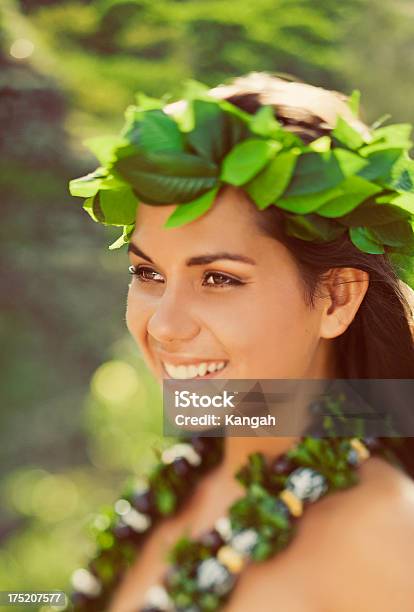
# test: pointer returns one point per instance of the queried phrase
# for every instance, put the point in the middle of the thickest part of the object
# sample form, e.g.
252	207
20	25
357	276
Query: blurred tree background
79	411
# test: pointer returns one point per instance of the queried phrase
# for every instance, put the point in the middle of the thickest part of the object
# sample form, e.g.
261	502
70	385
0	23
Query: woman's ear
343	289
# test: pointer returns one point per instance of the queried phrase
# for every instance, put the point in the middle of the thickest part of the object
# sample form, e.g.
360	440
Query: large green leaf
402	175
264	123
246	159
395	135
155	131
112	207
307	203
167	178
399	233
346	134
355	190
312	228
380	164
118	206
316	172
216	131
365	241
184	213
321	144
272	181
373	212
404	201
87	186
92	207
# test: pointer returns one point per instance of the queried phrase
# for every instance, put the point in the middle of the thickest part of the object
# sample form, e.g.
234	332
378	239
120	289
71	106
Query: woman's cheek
137	315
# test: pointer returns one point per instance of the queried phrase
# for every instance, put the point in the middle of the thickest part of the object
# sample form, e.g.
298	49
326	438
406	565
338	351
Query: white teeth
184	372
192	370
202	369
181	371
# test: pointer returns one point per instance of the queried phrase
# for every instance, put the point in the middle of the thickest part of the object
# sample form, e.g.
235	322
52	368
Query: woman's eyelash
222	280
139	272
227	280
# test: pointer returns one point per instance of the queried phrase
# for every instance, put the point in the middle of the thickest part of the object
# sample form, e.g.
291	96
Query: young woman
232	295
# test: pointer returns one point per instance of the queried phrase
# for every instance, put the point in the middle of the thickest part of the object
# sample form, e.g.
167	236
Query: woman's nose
172	319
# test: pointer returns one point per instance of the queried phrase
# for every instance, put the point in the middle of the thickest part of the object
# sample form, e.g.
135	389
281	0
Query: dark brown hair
378	344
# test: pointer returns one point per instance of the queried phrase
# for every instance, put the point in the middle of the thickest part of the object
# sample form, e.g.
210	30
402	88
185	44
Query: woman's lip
209	375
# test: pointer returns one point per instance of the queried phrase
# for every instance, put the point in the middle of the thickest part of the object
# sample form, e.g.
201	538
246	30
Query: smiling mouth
204	369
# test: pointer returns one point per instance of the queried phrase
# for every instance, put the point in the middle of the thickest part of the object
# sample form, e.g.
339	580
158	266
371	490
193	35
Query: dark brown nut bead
212	540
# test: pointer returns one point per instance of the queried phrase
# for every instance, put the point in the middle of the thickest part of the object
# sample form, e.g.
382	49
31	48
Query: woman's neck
237	449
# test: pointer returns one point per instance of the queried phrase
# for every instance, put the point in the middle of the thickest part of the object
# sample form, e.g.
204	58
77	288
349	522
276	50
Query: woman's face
218	298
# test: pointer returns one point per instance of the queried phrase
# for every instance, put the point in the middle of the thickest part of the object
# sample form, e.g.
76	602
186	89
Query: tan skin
355	548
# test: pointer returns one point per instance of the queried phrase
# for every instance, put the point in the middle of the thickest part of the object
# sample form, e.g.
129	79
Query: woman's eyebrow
134	249
209	258
198	260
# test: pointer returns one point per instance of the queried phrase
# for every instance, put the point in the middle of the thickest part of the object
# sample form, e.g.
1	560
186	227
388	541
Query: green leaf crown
359	183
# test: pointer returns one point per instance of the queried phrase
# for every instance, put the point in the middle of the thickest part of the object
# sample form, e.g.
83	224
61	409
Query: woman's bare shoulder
354	550
369	538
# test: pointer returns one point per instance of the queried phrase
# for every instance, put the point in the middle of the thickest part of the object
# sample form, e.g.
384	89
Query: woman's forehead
229	222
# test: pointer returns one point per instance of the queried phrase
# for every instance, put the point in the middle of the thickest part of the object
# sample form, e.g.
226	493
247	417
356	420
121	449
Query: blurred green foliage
79	410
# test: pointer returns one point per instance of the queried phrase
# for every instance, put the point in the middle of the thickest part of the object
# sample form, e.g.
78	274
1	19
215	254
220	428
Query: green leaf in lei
317	172
404	201
332	202
344	133
320	145
383	209
118	206
124	238
307	203
154	131
184	213
380	163
355	191
87	186
395	135
264	123
397	234
167	177
354	101
113	207
93	208
364	240
216	131
246	159
401	175
272	181
312	227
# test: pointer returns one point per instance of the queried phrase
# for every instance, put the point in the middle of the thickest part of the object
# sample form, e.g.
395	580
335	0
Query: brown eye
146	274
217	279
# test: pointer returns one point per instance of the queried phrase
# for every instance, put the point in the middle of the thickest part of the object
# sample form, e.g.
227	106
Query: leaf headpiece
345	182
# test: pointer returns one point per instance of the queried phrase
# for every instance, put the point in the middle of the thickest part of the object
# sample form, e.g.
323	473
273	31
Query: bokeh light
22	48
115	382
54	498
